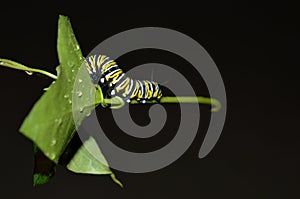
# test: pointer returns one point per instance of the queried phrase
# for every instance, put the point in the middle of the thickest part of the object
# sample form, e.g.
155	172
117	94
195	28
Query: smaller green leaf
90	160
39	179
44	169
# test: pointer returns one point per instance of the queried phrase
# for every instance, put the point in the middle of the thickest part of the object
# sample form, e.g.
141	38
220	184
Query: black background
256	48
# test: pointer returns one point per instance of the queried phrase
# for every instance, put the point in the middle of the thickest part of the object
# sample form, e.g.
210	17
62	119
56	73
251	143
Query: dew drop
77	47
113	92
29	72
58	120
53	142
72	70
102	80
70	101
51	156
81	109
66	96
80	80
88	114
53	82
79	93
70	63
128	100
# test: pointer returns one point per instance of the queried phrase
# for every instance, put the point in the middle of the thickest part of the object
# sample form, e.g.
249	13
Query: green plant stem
216	105
118	102
18	66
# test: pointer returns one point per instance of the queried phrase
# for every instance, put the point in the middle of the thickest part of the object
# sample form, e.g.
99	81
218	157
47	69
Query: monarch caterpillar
114	82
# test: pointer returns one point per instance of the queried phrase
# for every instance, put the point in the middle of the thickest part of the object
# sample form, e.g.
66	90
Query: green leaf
39	179
52	122
44	169
94	161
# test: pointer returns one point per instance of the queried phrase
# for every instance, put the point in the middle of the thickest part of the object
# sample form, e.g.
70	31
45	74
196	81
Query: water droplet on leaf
29	72
53	142
79	93
70	63
51	156
58	120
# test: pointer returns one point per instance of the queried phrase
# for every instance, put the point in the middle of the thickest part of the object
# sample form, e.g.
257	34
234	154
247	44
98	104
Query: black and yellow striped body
114	82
